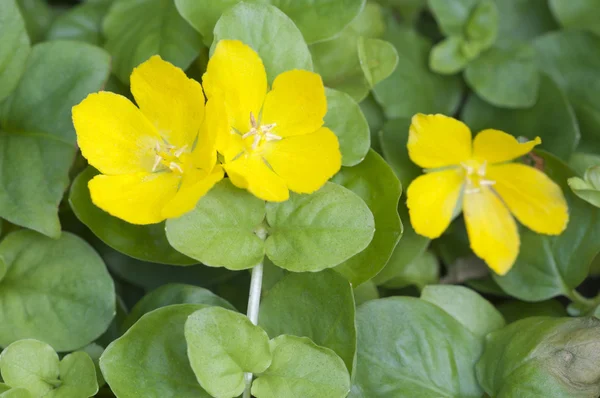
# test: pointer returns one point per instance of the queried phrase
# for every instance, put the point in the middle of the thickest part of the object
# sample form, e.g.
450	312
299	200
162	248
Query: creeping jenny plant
490	186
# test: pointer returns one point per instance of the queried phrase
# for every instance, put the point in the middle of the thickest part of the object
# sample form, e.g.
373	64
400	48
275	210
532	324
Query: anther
174	166
253	121
272	137
180	151
250	133
157	160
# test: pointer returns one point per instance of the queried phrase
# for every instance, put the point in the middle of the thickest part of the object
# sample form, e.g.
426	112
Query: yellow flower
490	187
275	141
158	160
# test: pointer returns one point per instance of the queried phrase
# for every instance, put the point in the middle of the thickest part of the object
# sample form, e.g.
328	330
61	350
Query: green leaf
47	91
515	310
220	231
482	27
150	360
366	292
173	294
16	393
64	285
137	29
542	357
95	352
300	368
319	306
587	188
505	75
143	242
37	166
452	16
572	59
38	17
15	47
222	345
317	20
412	87
422	270
375	119
581	161
551	118
318	231
378	59
338	61
81	23
447	56
549	266
77	376
270	32
30	364
577	14
524	19
345	118
393	138
427	354
374	181
466	306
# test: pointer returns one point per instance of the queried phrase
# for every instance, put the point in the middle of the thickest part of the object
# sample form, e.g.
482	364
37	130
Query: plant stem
253	307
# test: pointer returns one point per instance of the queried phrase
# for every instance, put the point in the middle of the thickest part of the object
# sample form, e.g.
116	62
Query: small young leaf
300	368
378	59
222	345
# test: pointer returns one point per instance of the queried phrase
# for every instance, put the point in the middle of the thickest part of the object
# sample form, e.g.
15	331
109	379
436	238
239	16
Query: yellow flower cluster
479	179
157	159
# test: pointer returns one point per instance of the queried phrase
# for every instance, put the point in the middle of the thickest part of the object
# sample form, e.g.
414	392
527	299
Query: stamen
174	166
268	127
482	168
467	167
180	151
157	159
487	182
272	137
250	133
256	141
472	190
253	121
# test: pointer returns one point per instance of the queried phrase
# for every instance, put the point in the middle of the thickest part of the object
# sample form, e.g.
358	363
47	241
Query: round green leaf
375	118
30	364
95	352
572	59
413	87
378	59
38	16
77	376
144	242
317	20
220	231
338	61
524	19
64	285
427	354
222	345
551	118
137	29
319	306
505	75
422	270
150	359
482	28
452	16
16	393
318	231
542	357
81	23
345	118
552	265
393	139
300	368
447	56
466	306
15	46
173	294
270	32
374	181
577	14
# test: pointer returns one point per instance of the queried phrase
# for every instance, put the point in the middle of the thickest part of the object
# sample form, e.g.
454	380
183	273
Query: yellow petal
171	101
495	146
214	128
114	136
492	231
136	198
296	104
305	162
432	199
438	141
236	72
252	173
192	188
535	200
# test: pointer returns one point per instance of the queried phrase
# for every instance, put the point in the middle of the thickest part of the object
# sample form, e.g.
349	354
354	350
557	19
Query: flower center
475	176
169	157
259	134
